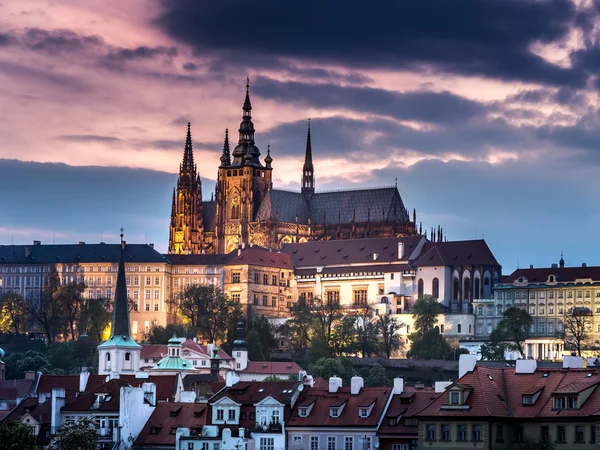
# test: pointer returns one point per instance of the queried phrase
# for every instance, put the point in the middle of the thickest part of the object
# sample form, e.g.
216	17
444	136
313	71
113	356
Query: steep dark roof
360	205
355	251
456	253
209	215
563	275
260	256
77	253
42	412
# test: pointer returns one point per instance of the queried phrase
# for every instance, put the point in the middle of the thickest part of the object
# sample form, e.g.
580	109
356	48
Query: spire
226	156
246	145
561	263
120	319
308	171
268	159
247	105
188	153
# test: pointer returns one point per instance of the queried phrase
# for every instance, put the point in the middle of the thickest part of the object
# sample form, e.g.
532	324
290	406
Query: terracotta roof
42	412
11	389
355	251
158	351
456	253
272	367
349	415
70	383
260	256
402	407
167	416
563	275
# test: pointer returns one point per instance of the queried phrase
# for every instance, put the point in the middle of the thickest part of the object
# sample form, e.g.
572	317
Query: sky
485	112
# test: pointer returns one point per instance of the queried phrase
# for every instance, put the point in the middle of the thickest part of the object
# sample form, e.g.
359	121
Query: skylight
261	390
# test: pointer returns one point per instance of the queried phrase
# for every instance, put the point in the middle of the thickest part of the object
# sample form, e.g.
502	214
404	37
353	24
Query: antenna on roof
53	238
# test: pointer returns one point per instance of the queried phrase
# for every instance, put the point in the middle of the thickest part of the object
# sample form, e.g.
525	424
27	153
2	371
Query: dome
1	354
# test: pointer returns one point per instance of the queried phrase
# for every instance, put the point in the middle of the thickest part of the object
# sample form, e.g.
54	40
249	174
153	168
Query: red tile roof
456	253
42	412
172	415
259	256
272	368
349	415
563	275
11	389
402	407
70	383
158	351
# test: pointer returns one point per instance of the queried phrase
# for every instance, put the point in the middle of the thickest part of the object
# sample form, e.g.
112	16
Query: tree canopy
425	312
577	327
513	329
430	345
16	436
330	367
80	435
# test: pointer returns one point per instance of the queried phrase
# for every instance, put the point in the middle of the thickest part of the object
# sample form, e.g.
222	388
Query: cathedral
247	210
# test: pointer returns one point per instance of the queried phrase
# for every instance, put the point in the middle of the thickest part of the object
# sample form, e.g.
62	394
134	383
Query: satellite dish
300	388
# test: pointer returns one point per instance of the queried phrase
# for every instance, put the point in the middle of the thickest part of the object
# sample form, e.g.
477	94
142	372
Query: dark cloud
6	39
422	106
55	41
89	138
190	66
491	38
143	52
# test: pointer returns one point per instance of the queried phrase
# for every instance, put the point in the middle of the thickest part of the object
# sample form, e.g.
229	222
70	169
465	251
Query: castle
246	210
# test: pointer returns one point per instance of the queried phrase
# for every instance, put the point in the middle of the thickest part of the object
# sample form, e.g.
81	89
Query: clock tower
242	183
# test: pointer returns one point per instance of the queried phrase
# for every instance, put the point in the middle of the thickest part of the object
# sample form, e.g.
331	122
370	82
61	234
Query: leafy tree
494	349
95	317
300	325
534	444
16	436
454	354
18	363
273	378
157	334
13	311
46	308
236	317
255	350
387	328
319	348
266	337
326	315
366	333
430	345
329	367
344	338
80	435
61	355
425	312
207	309
513	329
70	298
377	376
577	325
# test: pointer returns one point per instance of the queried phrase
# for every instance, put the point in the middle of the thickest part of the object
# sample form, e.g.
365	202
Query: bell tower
187	227
242	183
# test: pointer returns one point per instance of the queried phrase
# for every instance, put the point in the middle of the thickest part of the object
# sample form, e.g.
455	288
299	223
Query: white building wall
133	414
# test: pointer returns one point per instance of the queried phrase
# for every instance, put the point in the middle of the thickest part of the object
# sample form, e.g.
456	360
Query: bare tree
45	309
326	314
388	327
577	325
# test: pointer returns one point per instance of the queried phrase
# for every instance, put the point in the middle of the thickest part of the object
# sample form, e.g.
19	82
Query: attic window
528	400
454	398
155	430
303	412
363	412
261	390
198	413
334	412
565	402
173	430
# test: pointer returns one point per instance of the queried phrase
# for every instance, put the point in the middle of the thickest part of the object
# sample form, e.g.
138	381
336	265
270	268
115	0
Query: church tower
308	171
186	230
242	183
119	353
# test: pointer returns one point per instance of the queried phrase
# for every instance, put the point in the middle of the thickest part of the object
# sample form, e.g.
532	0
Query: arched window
420	288
456	289
435	288
442	328
470	328
477	283
467	293
235	211
127	356
459	328
486	281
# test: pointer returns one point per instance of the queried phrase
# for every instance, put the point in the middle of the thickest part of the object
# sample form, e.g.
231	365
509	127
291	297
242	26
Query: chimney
242	433
37	242
113	376
140	375
398	385
84	375
554	266
531	266
466	363
151	244
525	366
30	374
356	384
375	256
400	250
42	398
81	243
572	362
583	265
149	393
334	384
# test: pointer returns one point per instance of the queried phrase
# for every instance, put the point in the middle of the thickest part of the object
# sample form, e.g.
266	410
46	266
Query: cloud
55	41
492	38
142	52
89	138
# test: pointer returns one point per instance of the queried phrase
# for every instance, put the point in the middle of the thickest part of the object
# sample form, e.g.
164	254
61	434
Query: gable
226	401
268	401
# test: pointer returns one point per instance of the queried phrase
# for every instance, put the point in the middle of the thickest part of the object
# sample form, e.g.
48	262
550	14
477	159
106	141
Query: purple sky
485	111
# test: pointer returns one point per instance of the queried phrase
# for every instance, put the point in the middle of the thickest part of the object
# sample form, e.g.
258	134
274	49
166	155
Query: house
196	354
337	417
497	408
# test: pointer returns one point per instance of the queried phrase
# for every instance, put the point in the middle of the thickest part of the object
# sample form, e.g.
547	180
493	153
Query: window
445	432
435	288
273	301
360	296
499	310
267	443
235	277
476	433
265	278
545	435
363	412
220	414
579	433
256	278
454	398
231	414
462	432
348	443
334	412
430	433
148	281
147	308
155	430
330	442
303	412
275	416
255	299
156	294
147	294
593	434
265	300
235	297
560	434
499	433
333	297
314	443
274	280
420	288
459	328
156	307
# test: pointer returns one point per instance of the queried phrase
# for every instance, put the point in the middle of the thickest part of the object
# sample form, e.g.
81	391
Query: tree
80	435
577	325
95	317
387	328
494	349
326	314
300	325
377	376
255	350
265	334
272	378
157	334
366	333
513	329
70	298
330	367
425	312
45	309
18	363
16	436
343	338
207	309
14	312
319	348
430	345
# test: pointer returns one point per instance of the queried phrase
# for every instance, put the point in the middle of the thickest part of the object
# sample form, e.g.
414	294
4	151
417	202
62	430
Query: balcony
267	428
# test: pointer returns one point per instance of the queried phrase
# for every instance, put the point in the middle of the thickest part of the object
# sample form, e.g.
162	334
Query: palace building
246	209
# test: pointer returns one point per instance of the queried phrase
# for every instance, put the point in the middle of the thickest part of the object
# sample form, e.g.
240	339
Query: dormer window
363	412
303	412
565	402
334	412
528	399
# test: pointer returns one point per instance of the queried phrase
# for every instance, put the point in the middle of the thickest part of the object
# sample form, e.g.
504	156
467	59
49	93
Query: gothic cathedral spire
308	171
187	225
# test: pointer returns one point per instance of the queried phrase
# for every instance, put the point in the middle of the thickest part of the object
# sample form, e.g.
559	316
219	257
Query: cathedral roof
456	253
360	205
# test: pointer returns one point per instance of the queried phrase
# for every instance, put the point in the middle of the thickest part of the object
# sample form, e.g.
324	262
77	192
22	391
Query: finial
189	126
247	84
309	123
396	181
121	230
